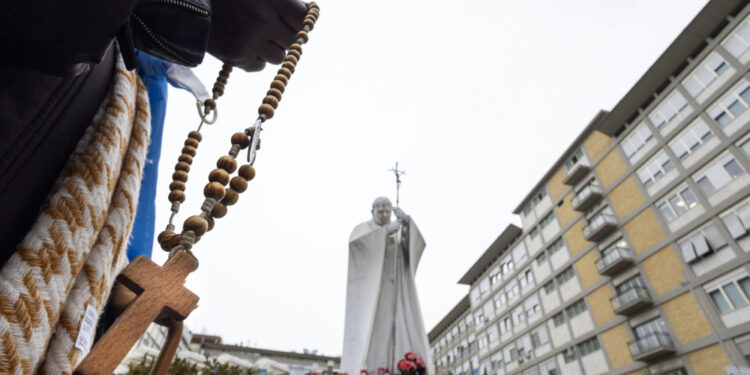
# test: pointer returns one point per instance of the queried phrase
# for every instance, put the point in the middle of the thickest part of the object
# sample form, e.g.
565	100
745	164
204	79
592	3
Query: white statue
383	257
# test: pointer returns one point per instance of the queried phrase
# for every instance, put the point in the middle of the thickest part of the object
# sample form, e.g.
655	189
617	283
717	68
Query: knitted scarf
76	247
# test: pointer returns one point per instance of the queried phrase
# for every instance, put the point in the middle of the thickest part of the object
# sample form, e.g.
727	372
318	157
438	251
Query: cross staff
398	174
160	291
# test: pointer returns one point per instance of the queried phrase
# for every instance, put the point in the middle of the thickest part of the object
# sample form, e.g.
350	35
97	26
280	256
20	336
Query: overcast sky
475	99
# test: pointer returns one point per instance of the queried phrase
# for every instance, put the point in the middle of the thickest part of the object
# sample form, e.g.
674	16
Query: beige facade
633	256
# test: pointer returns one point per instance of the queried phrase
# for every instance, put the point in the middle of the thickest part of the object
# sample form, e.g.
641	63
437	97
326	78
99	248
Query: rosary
160	292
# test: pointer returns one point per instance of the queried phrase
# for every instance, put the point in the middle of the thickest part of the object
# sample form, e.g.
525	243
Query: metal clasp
254	133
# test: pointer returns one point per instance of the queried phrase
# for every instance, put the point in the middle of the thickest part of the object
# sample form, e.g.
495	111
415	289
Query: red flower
406	367
420	364
411	356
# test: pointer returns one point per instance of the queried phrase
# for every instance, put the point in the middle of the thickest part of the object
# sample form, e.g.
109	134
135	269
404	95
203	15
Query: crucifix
160	295
398	173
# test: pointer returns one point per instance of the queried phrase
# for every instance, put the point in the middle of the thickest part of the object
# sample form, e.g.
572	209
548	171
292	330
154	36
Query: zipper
158	42
179	3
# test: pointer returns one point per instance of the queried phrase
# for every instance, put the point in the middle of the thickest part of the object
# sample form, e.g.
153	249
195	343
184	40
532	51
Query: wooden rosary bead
197	224
191	142
280	77
238	183
291	58
176	196
278	85
288	65
195	135
189	150
211	223
227	163
219	175
231	197
302	36
180	176
219	210
209	105
313	5
296	47
241	139
294	53
309	22
271	100
275	93
266	110
182	166
165	239
214	190
286	73
177	185
185	158
247	172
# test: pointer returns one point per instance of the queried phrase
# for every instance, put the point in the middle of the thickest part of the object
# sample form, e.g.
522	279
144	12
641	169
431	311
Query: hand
401	215
392	227
249	33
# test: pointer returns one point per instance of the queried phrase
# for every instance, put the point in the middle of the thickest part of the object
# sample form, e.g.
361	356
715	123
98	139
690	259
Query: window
677	203
565	275
737	220
731	105
541	258
739	41
576	308
500	299
589	346
655	169
484	286
505	325
691	139
636	140
706	72
653	327
519	315
557	245
479	317
549	287
484	341
540	196
534	232
507	266
532	305
668	109
569	355
548	368
527	209
540	336
731	294
547	219
526	278
519	252
558	319
632	283
745	146
701	243
719	174
512	289
577	156
495	276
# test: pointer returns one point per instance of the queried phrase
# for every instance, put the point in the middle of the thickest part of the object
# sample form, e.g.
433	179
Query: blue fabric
153	72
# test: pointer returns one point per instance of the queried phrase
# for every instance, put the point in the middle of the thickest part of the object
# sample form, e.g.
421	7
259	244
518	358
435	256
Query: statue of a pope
383	318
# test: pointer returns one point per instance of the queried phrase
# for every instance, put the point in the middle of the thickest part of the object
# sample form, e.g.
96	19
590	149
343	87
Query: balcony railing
631	300
655	345
617	258
575	174
599	227
587	197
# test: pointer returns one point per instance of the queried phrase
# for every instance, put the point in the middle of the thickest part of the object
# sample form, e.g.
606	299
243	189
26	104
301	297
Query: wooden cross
160	293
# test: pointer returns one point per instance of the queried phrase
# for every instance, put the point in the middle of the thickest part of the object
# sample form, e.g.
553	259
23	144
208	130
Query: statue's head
381	211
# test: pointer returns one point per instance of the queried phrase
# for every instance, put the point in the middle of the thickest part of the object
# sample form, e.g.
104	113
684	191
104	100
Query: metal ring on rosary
254	133
204	115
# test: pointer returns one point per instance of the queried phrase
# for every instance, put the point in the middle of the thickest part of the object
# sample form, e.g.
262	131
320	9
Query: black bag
172	30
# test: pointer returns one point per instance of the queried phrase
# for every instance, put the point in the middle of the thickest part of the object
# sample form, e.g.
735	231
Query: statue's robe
380	285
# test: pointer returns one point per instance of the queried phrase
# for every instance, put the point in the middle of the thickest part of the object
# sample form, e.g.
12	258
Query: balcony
617	258
599	227
578	172
631	300
656	345
587	198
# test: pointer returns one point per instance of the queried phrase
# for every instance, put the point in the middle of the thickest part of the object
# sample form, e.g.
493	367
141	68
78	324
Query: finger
283	35
271	52
292	12
253	64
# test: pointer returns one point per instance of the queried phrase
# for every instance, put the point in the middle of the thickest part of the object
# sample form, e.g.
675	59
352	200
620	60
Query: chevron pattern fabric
76	248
